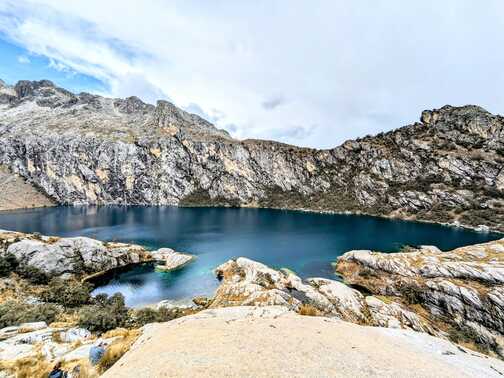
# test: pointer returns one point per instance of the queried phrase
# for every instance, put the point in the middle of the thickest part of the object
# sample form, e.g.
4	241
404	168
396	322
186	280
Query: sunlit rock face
460	293
87	149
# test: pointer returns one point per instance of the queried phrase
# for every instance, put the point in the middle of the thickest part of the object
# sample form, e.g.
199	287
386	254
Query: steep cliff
86	149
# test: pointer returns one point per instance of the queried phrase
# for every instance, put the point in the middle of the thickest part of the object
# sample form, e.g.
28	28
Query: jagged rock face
460	292
249	283
86	149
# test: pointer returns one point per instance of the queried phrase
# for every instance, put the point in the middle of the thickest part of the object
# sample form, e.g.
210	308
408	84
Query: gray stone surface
66	257
462	289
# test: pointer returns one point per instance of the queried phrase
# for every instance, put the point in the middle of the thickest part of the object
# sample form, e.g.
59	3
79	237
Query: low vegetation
69	293
105	313
9	264
308	310
118	348
14	313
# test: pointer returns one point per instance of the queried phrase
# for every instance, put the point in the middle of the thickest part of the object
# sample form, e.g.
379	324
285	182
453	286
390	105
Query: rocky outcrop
249	283
170	259
272	341
86	149
460	293
79	256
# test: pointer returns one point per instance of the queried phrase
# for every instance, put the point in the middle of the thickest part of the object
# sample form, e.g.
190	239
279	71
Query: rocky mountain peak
26	88
44	92
167	114
449	112
132	105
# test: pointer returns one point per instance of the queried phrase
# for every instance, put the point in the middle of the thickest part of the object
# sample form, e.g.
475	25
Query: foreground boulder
250	283
271	341
460	293
56	256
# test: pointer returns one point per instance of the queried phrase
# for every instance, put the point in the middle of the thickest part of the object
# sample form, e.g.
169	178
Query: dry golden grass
27	367
25	330
308	310
84	367
118	348
122	332
56	337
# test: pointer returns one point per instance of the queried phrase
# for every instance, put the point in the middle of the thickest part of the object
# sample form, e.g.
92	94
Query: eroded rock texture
248	283
86	149
459	293
79	256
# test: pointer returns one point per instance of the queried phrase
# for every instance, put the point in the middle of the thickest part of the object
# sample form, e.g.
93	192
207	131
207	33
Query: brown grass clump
28	367
118	348
308	310
122	332
56	337
80	369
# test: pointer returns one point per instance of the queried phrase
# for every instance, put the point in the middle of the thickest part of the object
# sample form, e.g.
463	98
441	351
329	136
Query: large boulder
170	259
56	256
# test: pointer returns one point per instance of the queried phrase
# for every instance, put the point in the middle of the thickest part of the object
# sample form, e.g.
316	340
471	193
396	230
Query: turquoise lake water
306	243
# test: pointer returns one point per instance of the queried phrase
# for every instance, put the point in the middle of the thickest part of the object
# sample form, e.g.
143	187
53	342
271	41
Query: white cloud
274	69
23	59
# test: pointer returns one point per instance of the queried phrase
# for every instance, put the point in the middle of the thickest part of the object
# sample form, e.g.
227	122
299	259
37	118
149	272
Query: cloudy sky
312	73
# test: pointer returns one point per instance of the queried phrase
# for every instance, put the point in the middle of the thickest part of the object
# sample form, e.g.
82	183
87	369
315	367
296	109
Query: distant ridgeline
87	149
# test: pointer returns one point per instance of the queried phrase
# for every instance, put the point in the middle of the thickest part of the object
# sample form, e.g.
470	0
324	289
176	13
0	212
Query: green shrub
148	315
32	274
8	264
69	293
105	314
13	313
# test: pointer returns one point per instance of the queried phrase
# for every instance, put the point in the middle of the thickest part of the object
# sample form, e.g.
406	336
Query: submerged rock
459	294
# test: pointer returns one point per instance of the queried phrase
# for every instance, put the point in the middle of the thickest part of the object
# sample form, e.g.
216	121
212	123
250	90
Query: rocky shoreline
80	257
454	296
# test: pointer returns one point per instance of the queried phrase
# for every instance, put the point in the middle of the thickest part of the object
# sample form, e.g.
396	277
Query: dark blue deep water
306	243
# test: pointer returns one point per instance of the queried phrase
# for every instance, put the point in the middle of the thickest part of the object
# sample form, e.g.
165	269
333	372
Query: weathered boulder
459	293
28	339
65	257
170	259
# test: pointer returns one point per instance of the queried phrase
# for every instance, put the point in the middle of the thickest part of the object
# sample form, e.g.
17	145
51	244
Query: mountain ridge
88	149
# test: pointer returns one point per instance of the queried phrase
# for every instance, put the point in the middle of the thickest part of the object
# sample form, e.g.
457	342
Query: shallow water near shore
306	243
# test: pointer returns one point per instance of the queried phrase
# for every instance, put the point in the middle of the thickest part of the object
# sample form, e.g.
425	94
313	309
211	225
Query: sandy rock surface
274	342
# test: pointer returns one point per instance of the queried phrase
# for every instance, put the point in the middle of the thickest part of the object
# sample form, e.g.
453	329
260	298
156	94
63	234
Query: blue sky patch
18	63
